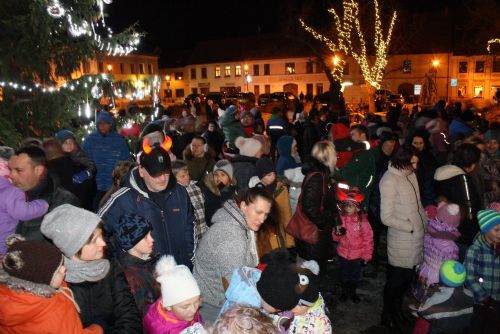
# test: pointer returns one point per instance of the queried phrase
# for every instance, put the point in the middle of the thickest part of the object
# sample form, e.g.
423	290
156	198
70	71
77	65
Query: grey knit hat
225	166
69	227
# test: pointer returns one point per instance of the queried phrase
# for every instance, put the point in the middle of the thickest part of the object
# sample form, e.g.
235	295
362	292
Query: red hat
350	194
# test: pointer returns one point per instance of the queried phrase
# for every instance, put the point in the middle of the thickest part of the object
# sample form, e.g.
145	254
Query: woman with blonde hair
318	201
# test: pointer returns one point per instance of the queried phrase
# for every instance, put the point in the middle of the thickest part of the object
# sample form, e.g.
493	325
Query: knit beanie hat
264	166
284	286
266	143
248	146
488	219
131	230
491	135
448	214
6	152
63	135
225	166
386	135
105	116
69	227
452	273
33	260
177	282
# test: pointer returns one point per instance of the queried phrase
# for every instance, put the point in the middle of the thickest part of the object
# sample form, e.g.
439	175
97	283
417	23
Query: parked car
284	99
264	99
242	98
395	101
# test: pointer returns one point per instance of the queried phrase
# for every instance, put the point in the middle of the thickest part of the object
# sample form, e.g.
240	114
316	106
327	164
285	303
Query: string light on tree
492	41
96	91
55	9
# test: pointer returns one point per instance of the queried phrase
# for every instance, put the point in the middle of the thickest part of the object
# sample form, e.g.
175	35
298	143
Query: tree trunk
371	97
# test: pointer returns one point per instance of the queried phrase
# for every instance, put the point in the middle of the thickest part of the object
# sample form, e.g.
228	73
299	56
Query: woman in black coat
319	202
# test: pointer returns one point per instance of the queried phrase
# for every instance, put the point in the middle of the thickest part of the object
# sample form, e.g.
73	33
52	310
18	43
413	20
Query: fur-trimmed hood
209	183
18	284
447	172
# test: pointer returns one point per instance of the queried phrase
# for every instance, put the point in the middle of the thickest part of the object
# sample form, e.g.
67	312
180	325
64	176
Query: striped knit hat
452	273
487	220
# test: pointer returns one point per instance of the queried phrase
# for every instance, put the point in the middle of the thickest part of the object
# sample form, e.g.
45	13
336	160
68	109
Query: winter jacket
438	247
243	289
276	127
108	302
180	142
456	186
310	137
198	167
215	197
227	245
316	191
458	127
160	321
13	207
285	160
36	308
425	174
139	274
215	139
231	126
294	180
401	210
314	320
169	211
344	145
357	242
105	151
243	170
48	190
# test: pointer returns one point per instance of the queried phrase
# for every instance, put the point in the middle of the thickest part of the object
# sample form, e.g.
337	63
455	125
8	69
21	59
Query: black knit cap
131	229
264	166
33	261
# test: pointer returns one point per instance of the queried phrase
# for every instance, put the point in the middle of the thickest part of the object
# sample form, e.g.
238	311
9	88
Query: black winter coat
243	170
312	197
108	302
215	197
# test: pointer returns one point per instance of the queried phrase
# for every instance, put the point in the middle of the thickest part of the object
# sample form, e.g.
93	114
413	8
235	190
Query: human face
187	309
69	145
355	136
350	208
221	177
247	121
104	128
211	127
183	178
414	162
418	143
24	174
256	213
492	146
94	249
197	148
154	183
58	277
268	178
144	247
388	147
493	235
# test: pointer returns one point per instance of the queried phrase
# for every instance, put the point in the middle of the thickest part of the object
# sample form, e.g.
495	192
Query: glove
81	177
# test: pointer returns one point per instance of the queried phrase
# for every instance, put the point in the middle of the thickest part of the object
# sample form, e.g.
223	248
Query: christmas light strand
492	41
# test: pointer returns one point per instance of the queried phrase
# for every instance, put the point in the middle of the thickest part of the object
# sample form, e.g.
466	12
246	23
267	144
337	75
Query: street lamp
335	60
248	79
435	64
110	68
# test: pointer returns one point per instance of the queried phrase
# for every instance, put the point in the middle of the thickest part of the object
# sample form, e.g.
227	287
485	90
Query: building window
462	91
217	71
179	92
100	67
194	90
237	70
462	67
346	69
479	66
256	90
122	68
478	91
256	69
406	66
150	68
203	72
86	67
267	89
319	88
267	69
289	68
141	68
319	68
309	67
193	73
132	69
178	75
309	89
168	93
496	66
227	71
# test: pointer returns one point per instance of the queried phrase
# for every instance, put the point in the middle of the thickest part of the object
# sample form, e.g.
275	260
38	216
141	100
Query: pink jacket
357	243
159	321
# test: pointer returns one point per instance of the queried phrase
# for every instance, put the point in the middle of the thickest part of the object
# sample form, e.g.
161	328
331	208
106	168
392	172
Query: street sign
453	82
417	89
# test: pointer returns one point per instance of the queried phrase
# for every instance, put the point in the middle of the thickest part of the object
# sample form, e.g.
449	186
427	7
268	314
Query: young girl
355	238
13	205
33	298
178	307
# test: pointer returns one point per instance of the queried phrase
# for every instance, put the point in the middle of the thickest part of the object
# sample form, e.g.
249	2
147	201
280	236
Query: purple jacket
13	207
439	246
159	321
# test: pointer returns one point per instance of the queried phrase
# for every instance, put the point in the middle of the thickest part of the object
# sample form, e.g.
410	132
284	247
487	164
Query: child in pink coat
355	241
179	306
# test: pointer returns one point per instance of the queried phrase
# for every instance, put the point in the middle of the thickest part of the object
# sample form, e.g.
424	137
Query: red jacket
357	243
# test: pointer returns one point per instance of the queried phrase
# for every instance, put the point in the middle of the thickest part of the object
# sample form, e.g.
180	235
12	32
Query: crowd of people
220	222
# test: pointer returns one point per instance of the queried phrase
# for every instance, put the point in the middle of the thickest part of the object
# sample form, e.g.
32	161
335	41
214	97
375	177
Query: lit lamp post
435	64
110	68
167	78
248	77
335	60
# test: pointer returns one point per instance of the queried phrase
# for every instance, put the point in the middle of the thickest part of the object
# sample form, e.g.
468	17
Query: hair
36	154
474	140
53	149
179	166
361	129
30	141
324	152
250	195
466	155
424	134
402	158
199	138
101	226
245	320
121	169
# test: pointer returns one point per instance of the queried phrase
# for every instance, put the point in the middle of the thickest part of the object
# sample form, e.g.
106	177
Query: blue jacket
285	160
172	219
457	127
105	151
243	289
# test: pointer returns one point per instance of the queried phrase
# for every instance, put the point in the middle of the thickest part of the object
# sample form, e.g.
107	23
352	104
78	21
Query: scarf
89	271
